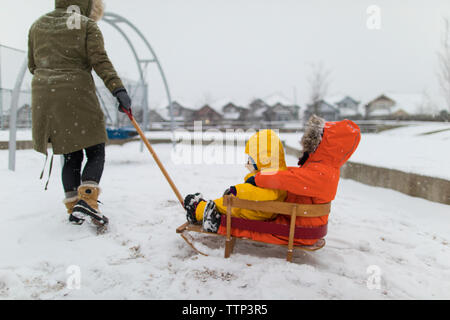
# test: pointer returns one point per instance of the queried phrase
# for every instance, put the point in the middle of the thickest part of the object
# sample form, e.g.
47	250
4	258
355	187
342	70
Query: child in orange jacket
327	145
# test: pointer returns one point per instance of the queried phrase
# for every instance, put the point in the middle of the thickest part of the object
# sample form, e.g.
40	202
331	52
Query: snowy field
372	232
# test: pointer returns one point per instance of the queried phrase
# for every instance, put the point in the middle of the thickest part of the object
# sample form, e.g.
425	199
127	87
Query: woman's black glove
124	99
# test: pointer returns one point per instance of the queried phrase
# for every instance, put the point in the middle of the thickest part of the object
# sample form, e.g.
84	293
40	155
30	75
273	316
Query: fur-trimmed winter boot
87	205
211	217
70	204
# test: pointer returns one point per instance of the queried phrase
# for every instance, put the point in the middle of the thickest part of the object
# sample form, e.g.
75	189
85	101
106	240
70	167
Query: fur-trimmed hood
97	11
93	9
313	134
330	142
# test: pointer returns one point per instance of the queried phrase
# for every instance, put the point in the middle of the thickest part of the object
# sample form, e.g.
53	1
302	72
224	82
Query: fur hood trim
313	134
97	11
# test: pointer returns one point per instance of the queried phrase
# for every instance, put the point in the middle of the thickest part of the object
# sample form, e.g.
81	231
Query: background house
232	112
381	106
323	109
229	113
24	116
280	112
399	105
348	106
281	108
208	115
181	114
23	109
154	116
256	111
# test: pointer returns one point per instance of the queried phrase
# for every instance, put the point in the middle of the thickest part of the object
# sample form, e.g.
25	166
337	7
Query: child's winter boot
190	204
87	205
211	218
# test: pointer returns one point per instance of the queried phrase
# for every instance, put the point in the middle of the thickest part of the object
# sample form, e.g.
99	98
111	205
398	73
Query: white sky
240	49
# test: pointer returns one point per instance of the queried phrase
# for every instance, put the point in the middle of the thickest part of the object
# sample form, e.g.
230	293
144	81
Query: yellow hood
266	150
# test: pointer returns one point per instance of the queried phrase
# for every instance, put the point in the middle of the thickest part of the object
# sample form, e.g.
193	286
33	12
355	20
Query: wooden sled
292	231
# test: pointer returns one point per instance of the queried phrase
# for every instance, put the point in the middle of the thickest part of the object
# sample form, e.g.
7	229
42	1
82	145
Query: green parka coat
63	49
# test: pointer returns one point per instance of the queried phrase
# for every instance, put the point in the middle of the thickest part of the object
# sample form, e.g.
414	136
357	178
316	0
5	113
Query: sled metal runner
291	209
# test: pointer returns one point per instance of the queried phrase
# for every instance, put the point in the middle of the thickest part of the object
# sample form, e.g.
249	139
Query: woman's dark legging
92	172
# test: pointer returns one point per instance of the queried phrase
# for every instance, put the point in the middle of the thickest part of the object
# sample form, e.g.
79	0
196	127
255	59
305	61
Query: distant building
322	109
208	115
392	105
379	107
24	116
23	119
280	112
181	114
348	107
257	111
154	116
281	108
229	110
232	112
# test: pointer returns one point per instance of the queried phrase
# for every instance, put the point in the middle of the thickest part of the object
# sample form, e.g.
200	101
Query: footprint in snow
169	203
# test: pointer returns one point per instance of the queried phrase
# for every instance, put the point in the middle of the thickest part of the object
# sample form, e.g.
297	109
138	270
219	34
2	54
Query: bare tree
444	63
427	105
319	82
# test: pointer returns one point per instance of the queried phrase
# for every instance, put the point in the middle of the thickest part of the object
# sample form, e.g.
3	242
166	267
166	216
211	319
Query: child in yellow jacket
265	153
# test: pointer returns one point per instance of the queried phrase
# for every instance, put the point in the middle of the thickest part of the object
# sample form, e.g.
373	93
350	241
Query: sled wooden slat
291	235
228	244
291	209
307	210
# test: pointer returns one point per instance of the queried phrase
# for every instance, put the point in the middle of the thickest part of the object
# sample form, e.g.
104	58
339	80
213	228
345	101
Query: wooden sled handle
155	156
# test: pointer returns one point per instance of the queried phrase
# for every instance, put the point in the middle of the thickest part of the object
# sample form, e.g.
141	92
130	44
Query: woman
64	46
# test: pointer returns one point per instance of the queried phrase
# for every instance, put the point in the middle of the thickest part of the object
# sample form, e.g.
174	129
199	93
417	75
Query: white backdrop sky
240	49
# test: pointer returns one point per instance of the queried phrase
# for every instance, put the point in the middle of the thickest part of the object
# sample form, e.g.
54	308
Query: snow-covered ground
372	232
